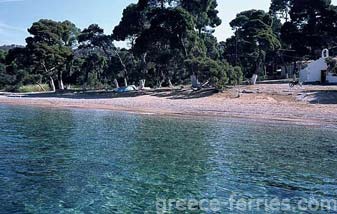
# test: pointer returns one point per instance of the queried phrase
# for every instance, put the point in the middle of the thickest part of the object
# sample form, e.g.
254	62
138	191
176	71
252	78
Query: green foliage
204	12
310	25
169	39
132	24
2	56
163	34
209	70
100	55
253	41
2	69
170	27
50	47
212	46
33	88
93	81
3	77
235	75
15	70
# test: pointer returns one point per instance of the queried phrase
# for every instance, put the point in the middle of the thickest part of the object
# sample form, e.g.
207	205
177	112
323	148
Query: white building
317	71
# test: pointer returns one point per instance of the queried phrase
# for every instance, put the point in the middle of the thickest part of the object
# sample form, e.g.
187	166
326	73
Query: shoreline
262	106
188	115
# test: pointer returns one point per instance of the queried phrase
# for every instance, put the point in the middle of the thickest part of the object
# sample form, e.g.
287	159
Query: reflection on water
66	161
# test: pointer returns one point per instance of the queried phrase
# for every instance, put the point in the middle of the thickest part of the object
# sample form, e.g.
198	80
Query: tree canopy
170	41
254	39
310	25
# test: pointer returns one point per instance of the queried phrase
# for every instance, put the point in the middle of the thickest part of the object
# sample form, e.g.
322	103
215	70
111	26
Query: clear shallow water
76	161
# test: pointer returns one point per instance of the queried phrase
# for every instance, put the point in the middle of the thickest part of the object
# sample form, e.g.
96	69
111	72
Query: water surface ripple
78	161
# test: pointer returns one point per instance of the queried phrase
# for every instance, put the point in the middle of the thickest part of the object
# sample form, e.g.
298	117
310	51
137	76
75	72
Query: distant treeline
169	41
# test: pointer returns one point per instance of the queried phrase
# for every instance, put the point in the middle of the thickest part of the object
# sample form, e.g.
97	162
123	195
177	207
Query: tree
204	11
2	56
212	46
235	75
162	34
132	24
254	39
51	48
2	69
155	3
310	25
280	8
209	71
167	41
18	70
94	38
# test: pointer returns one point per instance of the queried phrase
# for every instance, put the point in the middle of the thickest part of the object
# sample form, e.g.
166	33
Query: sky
16	16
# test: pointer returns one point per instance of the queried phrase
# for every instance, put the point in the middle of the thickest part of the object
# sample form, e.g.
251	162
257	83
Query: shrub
218	73
332	64
33	88
235	75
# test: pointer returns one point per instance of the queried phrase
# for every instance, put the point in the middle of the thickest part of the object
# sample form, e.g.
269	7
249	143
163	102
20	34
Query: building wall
313	72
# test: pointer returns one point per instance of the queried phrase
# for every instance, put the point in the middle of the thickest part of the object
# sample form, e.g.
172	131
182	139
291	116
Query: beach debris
248	92
126	89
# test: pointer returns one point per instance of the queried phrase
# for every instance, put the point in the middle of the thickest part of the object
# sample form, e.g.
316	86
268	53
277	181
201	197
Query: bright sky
18	15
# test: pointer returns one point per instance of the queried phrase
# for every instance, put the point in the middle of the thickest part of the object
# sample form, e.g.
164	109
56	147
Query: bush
332	64
33	88
235	75
216	72
94	82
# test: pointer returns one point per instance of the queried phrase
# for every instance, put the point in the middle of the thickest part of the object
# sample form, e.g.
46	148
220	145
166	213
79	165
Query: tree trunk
61	85
43	89
123	65
52	84
49	71
295	68
116	83
170	83
195	82
160	83
60	81
265	71
199	30
184	47
254	79
144	64
141	84
125	82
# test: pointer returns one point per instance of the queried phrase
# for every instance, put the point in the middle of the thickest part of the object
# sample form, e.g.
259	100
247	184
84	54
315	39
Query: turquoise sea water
85	161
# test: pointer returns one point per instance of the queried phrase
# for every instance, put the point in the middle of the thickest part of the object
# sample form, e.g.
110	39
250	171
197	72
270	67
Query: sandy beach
309	105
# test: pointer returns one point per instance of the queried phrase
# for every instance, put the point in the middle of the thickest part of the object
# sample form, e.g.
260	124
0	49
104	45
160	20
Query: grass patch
33	88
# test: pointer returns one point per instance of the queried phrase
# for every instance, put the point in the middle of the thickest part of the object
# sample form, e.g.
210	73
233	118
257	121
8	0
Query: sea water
87	161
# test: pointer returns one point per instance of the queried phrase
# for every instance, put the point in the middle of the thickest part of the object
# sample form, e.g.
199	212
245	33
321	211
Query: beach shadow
78	95
186	94
326	97
95	95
